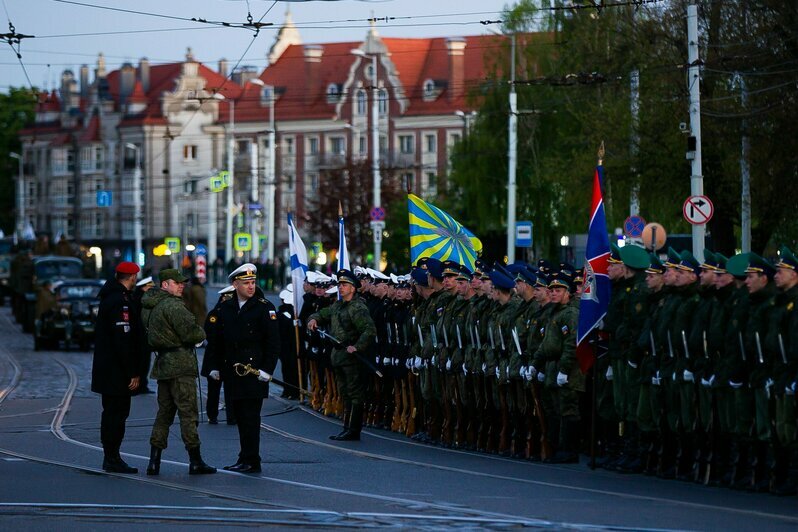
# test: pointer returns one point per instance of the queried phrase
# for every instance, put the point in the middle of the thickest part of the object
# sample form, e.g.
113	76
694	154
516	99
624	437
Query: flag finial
601	154
340	209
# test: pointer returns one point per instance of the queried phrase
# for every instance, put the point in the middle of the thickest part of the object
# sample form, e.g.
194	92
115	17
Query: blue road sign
104	198
523	234
201	249
633	226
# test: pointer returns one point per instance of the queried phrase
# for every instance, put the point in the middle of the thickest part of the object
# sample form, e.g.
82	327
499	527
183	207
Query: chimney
144	73
223	67
313	54
127	79
456	49
84	81
244	74
65	92
99	72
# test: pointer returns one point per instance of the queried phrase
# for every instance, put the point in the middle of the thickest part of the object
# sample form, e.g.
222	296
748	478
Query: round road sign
633	226
654	236
698	210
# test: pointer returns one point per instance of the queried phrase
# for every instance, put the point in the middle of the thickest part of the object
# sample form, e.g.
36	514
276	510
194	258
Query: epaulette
262	300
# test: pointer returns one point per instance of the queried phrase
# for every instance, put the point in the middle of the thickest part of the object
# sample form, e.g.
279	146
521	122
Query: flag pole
594	406
300	376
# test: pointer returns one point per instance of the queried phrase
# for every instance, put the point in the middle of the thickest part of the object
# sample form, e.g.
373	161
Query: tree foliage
565	113
16	109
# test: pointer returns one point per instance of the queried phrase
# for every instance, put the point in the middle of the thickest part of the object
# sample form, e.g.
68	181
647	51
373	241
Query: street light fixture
228	237
376	226
138	253
20	195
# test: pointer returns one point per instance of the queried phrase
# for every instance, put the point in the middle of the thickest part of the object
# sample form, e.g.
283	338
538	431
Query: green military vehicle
29	278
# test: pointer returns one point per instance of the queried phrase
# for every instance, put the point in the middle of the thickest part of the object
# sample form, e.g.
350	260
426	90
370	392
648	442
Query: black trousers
248	416
116	409
212	404
290	374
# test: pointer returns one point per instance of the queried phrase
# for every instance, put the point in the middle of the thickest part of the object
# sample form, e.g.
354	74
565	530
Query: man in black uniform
247	333
115	368
215	385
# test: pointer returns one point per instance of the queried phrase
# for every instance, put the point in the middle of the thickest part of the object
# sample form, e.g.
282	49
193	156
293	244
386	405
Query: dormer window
369	71
429	89
361	102
266	94
333	92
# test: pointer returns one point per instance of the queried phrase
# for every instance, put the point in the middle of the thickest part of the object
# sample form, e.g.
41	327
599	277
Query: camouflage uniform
173	331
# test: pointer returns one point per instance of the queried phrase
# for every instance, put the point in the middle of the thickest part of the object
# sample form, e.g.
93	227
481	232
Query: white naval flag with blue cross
299	263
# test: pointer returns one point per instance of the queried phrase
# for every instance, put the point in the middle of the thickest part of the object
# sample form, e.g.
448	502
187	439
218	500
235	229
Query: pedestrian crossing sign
172	244
242	242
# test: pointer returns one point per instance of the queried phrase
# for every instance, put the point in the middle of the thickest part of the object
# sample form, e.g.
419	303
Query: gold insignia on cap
212	319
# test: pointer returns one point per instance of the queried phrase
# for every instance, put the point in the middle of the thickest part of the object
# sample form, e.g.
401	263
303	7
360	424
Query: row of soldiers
694	373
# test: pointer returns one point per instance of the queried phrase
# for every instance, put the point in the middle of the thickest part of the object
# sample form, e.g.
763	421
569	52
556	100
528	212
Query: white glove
529	375
377	360
395	362
449	365
768	386
656	380
465	370
735	385
632	364
541	377
532	372
199	344
790	389
507	371
409	363
263	376
608	375
498	373
484	367
688	376
417	362
708	383
386	361
434	360
215	375
522	372
562	379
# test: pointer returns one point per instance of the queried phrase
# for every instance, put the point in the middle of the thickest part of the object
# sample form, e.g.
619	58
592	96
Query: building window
70	193
383	101
98	225
369	71
313	146
190	186
289	181
31	193
406	143
383	144
429	88
430	143
455	138
99	158
333	92
129	158
190	217
337	146
362	147
408	181
243	147
289	145
59	161
432	181
361	102
70	161
189	152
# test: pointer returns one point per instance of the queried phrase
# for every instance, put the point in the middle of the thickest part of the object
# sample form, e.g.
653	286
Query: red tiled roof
49	103
137	96
92	131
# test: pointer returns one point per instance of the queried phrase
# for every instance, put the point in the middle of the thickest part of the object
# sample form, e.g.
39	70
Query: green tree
17	108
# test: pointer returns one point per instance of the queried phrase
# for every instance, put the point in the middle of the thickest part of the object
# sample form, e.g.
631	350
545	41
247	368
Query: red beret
128	268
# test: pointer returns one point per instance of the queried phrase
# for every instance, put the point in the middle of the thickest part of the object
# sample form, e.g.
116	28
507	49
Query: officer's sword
706	351
338	343
653	344
501	337
242	370
742	345
781	348
759	348
479	339
459	338
434	335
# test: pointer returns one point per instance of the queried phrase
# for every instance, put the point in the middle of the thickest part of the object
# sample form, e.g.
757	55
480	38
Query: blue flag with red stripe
596	289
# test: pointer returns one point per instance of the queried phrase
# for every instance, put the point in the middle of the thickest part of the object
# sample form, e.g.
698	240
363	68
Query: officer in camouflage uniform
472	362
564	380
525	288
784	332
447	347
349	322
416	362
172	331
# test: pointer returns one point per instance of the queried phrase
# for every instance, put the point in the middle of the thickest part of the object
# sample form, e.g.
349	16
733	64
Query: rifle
686	348
653	344
545	446
339	344
742	345
670	345
759	348
783	351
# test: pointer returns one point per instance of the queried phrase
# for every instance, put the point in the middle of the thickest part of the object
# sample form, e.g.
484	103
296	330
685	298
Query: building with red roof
184	118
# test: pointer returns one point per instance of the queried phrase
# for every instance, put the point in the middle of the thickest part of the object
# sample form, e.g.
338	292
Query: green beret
635	257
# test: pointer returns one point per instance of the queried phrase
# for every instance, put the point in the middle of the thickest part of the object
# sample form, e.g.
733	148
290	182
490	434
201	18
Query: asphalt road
50	459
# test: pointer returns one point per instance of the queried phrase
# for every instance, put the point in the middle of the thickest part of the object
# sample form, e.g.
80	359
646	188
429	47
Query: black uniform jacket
117	342
246	335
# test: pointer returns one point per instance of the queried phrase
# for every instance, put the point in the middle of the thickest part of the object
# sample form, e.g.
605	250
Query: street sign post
200	267
201	250
698	210
377	227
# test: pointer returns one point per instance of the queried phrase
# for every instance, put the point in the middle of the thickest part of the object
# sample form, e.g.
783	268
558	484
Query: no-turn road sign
698	210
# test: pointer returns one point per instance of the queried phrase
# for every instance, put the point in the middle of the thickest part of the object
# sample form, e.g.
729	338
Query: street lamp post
228	237
375	158
20	195
512	159
271	182
137	205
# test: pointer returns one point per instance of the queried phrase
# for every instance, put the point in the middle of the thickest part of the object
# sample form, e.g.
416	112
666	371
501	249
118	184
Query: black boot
113	463
196	466
355	425
744	474
785	469
154	467
347	417
568	444
763	468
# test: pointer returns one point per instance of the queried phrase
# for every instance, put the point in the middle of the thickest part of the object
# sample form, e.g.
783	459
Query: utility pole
375	160
634	93
212	221
694	153
512	158
255	196
137	215
745	171
271	180
20	195
228	237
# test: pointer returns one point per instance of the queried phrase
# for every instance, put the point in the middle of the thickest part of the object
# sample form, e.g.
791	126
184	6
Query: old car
41	269
73	318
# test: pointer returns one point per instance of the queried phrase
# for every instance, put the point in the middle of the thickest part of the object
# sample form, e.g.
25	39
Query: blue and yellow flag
433	233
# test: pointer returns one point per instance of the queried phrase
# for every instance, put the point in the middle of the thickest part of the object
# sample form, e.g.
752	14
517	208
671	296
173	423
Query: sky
61	28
